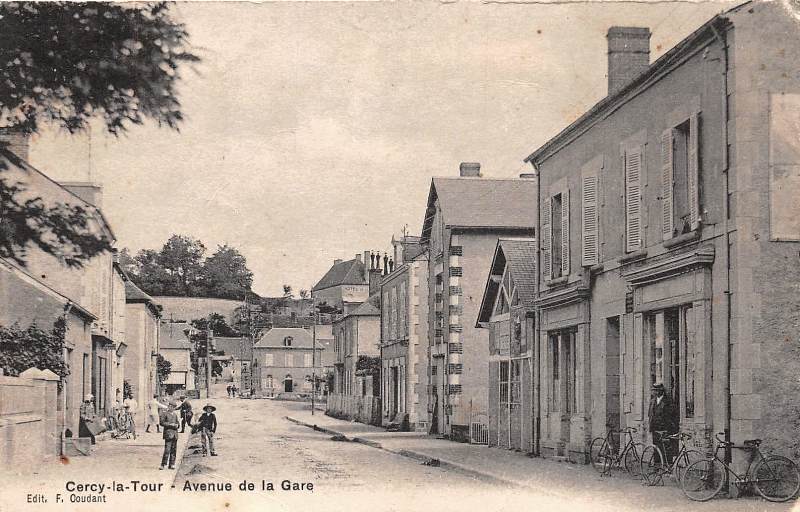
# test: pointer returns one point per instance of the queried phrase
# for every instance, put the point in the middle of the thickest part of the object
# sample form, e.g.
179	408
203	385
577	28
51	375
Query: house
142	317
284	361
404	336
507	311
464	218
235	357
356	335
174	346
345	285
670	232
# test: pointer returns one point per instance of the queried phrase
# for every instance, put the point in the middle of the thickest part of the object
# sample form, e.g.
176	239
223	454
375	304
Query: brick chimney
628	55
469	170
374	280
16	141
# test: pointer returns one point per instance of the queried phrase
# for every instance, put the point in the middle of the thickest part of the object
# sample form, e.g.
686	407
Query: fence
479	428
29	430
364	409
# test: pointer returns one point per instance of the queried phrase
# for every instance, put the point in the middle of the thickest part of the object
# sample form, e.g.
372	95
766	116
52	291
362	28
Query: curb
419	456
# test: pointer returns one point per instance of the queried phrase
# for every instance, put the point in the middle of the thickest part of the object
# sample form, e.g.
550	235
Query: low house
285	360
507	311
175	347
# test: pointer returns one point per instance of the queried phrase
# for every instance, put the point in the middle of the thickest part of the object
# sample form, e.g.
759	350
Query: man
663	418
169	420
207	424
153	411
130	406
186	413
88	426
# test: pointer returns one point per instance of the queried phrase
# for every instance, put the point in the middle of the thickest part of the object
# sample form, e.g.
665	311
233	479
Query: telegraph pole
313	355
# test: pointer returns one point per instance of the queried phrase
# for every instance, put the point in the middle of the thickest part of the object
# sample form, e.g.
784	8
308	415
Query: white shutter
693	167
633	199
565	233
547	213
589	220
667	185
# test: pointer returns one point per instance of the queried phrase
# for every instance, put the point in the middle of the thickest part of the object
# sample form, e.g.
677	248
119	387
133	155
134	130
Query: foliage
368	365
179	269
163	369
33	347
217	323
64	63
127	390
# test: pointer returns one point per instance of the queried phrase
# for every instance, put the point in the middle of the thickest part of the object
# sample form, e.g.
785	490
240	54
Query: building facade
142	316
669	240
404	340
344	286
285	361
174	346
355	335
464	218
507	311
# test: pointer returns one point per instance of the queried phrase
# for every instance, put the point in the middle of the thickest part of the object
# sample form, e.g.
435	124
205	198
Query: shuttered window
667	182
564	233
633	199
693	168
590	225
546	242
680	174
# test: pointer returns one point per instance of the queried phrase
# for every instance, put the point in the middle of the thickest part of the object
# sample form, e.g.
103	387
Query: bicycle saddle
753	442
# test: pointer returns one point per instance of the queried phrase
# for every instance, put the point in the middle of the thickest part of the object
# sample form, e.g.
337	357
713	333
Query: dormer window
287	341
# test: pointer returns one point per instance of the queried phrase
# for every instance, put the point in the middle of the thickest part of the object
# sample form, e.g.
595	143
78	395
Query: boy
207	424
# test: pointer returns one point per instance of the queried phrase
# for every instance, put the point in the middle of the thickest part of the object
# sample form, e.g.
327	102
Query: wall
29	428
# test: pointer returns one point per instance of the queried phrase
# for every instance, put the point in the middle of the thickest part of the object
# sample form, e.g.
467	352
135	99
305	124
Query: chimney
366	266
628	55
527	176
337	261
470	170
16	141
92	193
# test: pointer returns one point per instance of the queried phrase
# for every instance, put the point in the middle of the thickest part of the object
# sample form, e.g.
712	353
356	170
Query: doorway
613	410
287	384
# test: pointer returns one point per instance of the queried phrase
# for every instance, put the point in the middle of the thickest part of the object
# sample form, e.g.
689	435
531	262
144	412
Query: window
269	383
633	157
401	312
287	341
504	381
555	235
385	315
393	314
308	360
590	217
680	194
671	337
269	360
784	162
289	360
555	379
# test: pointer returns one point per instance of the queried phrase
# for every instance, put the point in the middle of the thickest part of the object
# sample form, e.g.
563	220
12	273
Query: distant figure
169	420
186	414
207	424
229	388
153	410
130	406
88	426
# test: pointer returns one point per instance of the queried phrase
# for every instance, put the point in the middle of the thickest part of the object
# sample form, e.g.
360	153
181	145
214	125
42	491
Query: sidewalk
574	482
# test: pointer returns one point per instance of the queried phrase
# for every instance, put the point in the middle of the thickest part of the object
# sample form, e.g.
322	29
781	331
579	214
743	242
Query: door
287	384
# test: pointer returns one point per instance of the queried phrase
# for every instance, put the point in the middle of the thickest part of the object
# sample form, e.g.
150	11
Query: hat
209	406
658	386
88	398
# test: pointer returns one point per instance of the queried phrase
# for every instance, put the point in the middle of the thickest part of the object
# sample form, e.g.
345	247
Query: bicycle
654	460
774	477
123	424
603	456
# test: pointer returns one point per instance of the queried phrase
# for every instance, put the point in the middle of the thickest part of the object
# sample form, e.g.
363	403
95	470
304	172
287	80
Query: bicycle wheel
683	461
776	478
600	455
652	464
703	479
633	459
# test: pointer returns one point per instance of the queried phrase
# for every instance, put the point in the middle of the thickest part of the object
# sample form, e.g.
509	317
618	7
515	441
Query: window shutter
667	184
547	213
633	199
565	233
693	167
589	218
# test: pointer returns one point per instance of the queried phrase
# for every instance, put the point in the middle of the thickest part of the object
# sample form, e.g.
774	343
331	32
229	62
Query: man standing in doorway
663	420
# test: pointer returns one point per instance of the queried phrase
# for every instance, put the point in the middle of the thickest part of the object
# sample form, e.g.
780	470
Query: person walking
229	390
663	420
207	424
153	411
169	420
186	414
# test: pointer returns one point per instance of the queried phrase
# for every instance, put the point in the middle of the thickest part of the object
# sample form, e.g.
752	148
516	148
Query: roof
345	272
371	307
135	294
237	347
709	29
301	338
482	203
519	255
173	336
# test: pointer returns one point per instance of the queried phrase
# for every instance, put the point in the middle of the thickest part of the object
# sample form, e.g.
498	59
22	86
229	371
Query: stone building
356	334
142	337
669	240
284	361
174	346
463	220
404	336
344	286
507	311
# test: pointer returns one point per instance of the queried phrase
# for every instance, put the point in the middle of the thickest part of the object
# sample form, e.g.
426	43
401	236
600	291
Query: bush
33	347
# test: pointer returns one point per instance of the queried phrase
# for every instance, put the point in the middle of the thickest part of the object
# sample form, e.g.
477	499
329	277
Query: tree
163	369
225	274
64	63
216	323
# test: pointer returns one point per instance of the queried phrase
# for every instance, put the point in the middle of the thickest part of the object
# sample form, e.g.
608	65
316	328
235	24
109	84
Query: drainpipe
538	319
727	252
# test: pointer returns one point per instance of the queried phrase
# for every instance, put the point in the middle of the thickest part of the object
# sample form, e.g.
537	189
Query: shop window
672	355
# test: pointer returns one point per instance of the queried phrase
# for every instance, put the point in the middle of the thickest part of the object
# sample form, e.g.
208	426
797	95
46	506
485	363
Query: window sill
685	238
638	255
557	281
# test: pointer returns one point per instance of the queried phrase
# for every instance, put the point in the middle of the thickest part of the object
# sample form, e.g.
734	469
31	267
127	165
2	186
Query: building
142	316
285	361
235	357
675	261
507	311
344	286
404	336
174	346
464	218
357	336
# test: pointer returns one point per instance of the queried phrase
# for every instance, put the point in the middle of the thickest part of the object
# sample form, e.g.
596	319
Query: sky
313	129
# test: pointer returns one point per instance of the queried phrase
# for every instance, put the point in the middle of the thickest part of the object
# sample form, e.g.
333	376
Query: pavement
578	484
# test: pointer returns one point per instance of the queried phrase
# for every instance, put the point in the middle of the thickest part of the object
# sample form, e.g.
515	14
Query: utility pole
313	355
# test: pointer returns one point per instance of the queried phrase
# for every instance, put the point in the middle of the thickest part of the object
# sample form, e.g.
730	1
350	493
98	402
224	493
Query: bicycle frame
743	479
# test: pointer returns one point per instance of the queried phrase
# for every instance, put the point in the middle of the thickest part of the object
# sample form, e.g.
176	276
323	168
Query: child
207	424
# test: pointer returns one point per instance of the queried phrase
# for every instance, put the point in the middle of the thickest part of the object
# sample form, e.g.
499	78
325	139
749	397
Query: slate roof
135	294
371	307
301	338
346	272
482	203
229	346
172	336
519	254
